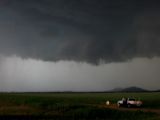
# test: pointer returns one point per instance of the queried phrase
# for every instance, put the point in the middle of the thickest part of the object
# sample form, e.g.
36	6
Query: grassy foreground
81	106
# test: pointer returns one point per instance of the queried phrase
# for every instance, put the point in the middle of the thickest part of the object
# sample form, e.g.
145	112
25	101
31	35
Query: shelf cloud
88	31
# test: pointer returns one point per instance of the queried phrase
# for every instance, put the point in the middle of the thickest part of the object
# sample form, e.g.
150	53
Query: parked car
129	102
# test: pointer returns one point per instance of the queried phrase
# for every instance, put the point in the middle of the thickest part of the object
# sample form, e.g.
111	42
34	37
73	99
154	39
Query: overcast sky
79	45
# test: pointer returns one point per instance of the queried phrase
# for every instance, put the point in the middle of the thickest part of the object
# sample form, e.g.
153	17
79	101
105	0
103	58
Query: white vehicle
129	102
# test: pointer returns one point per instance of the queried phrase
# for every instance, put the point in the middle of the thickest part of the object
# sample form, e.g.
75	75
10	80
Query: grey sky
81	30
35	75
79	44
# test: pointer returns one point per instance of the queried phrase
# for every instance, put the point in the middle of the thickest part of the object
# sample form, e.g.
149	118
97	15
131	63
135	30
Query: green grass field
80	106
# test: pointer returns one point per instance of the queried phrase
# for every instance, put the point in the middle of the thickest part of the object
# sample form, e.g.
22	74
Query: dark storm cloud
80	30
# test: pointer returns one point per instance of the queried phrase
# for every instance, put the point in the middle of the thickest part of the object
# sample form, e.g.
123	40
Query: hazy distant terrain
130	89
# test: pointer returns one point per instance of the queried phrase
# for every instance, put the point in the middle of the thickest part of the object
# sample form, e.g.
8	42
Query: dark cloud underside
80	30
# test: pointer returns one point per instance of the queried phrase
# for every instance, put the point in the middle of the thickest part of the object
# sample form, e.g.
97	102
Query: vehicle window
132	99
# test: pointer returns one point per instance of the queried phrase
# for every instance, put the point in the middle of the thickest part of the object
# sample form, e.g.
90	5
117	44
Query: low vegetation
80	106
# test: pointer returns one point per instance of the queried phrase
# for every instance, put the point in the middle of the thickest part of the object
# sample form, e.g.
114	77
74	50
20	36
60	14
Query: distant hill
157	91
134	89
129	89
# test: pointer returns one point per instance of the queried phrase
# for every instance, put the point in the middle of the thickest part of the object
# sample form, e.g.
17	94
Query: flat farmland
81	106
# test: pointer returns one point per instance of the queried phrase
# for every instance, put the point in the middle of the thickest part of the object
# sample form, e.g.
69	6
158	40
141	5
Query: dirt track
114	106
